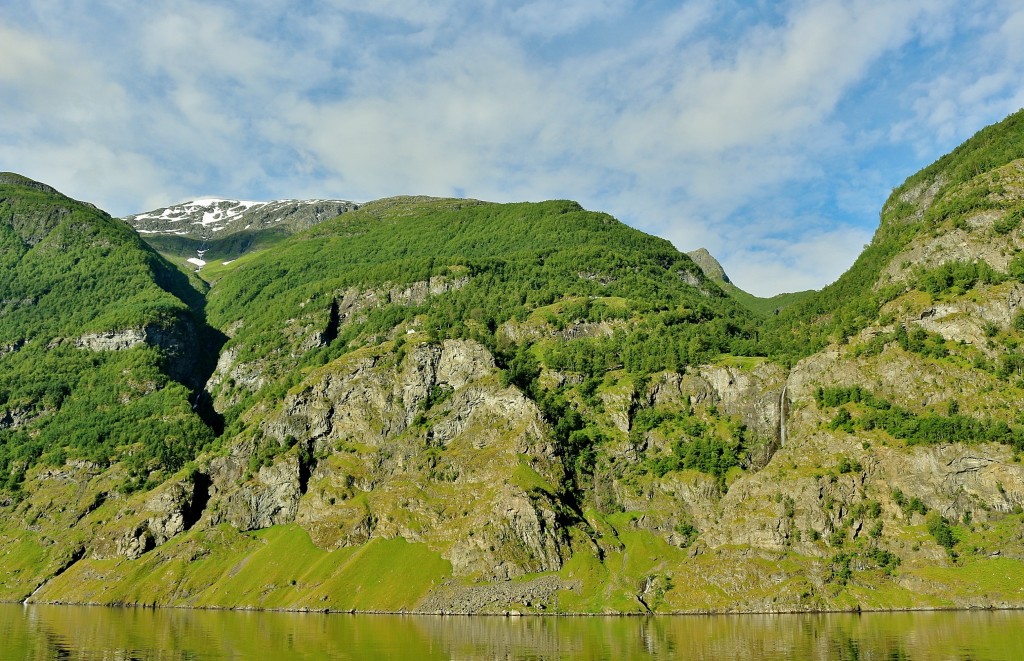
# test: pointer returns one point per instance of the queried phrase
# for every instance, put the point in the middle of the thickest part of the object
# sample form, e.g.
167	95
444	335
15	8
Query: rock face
170	510
426	449
270	498
707	263
113	340
177	341
754	396
319	325
14	418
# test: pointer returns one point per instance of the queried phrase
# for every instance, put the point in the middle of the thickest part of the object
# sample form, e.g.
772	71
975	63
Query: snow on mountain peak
202	217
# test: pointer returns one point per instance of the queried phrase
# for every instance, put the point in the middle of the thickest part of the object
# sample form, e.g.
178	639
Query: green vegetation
277	567
765	306
913	505
914	428
218	249
962	184
957	277
70	270
841	568
699	445
940	529
500	264
492	269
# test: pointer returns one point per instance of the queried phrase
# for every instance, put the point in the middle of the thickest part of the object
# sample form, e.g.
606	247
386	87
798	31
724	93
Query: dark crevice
307	463
202	404
197	345
200	498
333	323
148	542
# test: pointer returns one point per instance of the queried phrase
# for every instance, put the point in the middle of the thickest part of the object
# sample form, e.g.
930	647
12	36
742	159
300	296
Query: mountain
442	405
714	271
213	229
961	210
707	263
103	347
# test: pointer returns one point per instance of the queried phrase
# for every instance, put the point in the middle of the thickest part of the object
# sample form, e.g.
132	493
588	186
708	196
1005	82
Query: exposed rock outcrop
367	421
751	395
270	498
169	510
709	265
177	341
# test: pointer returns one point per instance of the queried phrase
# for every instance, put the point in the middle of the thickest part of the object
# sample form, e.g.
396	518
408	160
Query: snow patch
196	261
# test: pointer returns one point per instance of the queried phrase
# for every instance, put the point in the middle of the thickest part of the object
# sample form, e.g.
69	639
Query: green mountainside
963	209
74	282
444	405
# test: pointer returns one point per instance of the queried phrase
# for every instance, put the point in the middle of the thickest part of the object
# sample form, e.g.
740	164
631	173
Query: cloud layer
768	132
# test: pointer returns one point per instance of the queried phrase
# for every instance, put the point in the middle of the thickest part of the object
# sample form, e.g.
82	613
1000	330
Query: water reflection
66	632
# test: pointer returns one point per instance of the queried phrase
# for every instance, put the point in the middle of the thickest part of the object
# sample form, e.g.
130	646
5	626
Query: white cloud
978	83
1013	28
47	80
93	172
550	19
779	87
474	116
710	124
68	118
795	264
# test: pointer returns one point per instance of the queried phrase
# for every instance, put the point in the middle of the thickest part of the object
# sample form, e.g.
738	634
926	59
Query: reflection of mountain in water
89	632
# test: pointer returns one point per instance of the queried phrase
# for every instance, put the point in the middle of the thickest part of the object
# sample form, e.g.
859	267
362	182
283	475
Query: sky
769	132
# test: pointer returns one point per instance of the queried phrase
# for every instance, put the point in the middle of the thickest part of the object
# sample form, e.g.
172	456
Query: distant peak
203	217
707	263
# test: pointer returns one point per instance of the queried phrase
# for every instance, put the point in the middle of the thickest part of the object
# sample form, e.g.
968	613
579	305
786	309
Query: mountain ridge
706	261
224	229
214	215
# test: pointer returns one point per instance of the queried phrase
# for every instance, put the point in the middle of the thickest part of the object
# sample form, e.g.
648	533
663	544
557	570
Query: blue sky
768	132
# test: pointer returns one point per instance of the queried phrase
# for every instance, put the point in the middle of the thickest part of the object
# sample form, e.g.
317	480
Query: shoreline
529	614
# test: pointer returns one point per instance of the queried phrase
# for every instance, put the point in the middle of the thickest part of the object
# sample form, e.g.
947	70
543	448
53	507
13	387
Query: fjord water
73	632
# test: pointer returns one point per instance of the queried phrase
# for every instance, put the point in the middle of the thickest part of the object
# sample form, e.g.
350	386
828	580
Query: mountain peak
707	263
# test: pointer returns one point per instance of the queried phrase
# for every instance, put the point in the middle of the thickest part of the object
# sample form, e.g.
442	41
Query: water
73	632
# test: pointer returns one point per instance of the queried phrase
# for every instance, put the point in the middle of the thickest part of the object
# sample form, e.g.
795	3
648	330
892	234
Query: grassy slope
276	568
279	568
765	306
538	248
